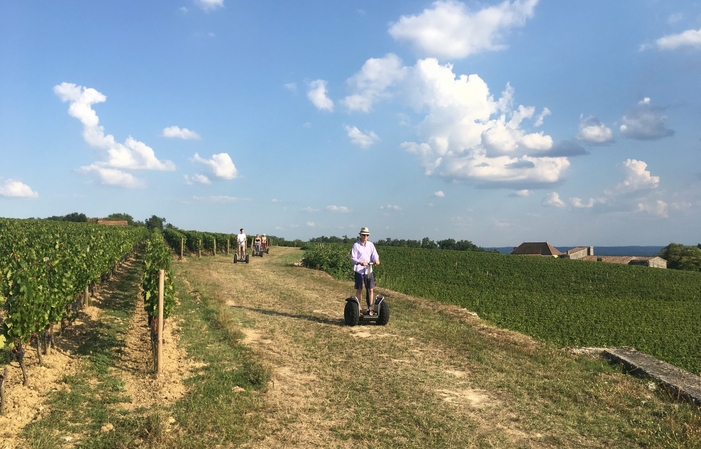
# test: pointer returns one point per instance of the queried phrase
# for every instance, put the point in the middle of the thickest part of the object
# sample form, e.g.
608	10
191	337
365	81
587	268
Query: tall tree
155	223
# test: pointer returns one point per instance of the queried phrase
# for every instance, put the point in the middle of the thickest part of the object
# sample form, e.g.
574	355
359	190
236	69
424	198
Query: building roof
537	249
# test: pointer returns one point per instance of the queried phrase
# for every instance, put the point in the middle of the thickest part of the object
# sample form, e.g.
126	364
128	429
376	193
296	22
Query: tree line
426	243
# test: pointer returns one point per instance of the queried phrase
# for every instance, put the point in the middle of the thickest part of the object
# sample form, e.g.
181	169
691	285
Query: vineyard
47	269
563	302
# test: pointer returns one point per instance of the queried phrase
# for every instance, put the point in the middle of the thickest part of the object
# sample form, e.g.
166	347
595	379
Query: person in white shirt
363	253
241	239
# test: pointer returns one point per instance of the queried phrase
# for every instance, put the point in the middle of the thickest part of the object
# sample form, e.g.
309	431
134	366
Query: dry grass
435	376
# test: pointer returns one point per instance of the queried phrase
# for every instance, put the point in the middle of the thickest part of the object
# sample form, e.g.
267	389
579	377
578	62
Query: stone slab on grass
683	383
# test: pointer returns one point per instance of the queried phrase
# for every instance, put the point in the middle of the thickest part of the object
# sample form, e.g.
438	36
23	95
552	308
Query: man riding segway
364	256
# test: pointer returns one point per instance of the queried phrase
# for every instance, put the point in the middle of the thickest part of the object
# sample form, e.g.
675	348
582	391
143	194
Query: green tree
155	223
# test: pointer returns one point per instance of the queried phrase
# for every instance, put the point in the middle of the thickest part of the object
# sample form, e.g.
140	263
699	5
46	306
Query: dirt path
328	379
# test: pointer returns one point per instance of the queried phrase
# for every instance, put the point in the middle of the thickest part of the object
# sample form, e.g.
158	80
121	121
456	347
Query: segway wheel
383	315
351	313
236	258
267	250
246	259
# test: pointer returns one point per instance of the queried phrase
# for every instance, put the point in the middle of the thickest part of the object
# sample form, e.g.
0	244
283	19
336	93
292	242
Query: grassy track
433	377
272	365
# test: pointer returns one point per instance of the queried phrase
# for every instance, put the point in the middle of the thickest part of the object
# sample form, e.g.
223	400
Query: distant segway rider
263	242
362	254
241	239
257	244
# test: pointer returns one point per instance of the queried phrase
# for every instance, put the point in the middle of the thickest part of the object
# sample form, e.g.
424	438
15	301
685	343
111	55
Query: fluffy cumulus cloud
317	95
439	194
689	38
449	30
130	155
357	137
468	135
373	82
645	122
592	131
220	165
17	189
637	193
176	132
637	178
553	200
209	5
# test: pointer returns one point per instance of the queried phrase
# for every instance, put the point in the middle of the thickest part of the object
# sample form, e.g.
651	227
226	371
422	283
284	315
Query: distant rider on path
242	242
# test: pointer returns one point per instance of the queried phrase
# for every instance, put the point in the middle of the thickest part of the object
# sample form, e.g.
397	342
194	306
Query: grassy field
560	301
270	363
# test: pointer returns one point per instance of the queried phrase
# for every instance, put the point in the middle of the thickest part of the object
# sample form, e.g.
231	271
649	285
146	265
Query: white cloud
357	137
311	224
439	194
292	87
657	208
689	38
523	192
197	179
310	209
17	189
674	18
209	5
317	95
132	155
390	207
591	130
645	122
220	165
636	178
338	209
636	193
450	30
541	117
113	176
178	133
470	136
553	200
579	204
372	82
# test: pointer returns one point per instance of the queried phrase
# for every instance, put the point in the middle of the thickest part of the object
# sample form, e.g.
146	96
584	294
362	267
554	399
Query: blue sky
496	122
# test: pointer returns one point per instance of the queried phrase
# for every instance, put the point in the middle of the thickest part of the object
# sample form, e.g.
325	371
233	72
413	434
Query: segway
353	316
244	259
257	250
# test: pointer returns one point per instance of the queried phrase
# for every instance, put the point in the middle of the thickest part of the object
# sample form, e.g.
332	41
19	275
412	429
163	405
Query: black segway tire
246	259
236	258
383	315
351	313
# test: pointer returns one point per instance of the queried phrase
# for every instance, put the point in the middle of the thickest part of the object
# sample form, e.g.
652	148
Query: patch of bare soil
26	404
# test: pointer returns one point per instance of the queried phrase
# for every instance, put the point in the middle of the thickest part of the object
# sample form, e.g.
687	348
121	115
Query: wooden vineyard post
227	247
199	248
182	246
86	296
161	282
214	251
3	378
